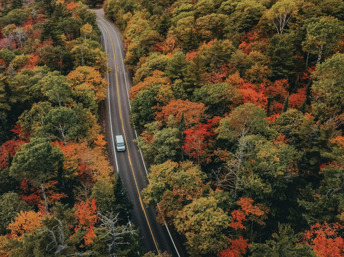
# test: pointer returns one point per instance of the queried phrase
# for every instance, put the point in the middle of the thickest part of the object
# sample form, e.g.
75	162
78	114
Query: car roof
119	138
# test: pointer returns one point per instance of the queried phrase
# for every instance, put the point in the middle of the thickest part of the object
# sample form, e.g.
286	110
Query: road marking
143	161
109	107
125	138
121	56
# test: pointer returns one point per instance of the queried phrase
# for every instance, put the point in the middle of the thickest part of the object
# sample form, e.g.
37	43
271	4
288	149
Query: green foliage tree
208	238
37	161
88	53
247	14
176	67
122	202
10	206
323	36
217	97
328	87
142	111
184	32
280	14
56	88
173	186
165	145
284	243
60	123
282	55
32	119
211	26
103	193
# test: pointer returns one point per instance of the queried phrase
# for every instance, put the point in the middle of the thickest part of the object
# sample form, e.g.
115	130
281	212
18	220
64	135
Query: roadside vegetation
59	195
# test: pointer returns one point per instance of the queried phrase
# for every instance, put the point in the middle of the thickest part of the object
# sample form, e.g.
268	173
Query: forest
59	195
239	106
239	109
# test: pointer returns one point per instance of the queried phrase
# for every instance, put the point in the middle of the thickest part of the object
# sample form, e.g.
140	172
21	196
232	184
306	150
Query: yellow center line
125	137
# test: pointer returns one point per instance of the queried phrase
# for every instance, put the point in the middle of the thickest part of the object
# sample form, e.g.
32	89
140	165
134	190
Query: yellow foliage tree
86	29
90	77
25	222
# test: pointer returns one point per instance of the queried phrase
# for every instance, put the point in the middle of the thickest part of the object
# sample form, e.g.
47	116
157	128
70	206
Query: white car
120	144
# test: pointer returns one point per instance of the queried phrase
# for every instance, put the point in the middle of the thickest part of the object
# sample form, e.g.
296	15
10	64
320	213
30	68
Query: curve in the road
164	238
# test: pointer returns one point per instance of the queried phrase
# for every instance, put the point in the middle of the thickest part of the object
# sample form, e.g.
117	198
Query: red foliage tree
247	40
237	248
217	76
8	150
296	100
30	194
198	141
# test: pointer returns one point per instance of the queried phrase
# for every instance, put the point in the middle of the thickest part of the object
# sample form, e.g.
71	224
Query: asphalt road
128	164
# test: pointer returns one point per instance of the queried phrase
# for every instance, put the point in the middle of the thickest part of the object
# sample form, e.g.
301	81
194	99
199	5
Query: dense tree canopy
250	92
59	195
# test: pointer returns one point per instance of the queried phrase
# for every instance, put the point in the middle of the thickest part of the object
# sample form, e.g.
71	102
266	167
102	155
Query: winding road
129	164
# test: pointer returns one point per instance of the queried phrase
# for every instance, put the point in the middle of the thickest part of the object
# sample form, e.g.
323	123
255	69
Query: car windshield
120	144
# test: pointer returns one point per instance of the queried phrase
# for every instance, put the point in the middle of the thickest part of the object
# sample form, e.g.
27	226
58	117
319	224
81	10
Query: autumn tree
198	141
24	223
37	161
86	214
209	238
325	239
160	145
193	112
283	243
10	206
88	53
280	14
158	78
173	186
90	77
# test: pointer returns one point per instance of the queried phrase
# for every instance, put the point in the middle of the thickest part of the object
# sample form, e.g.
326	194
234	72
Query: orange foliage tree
326	239
193	112
79	158
158	78
86	214
237	248
253	94
92	78
25	222
296	100
248	211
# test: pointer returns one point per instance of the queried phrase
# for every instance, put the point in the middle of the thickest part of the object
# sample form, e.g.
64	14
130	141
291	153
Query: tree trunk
320	54
45	198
